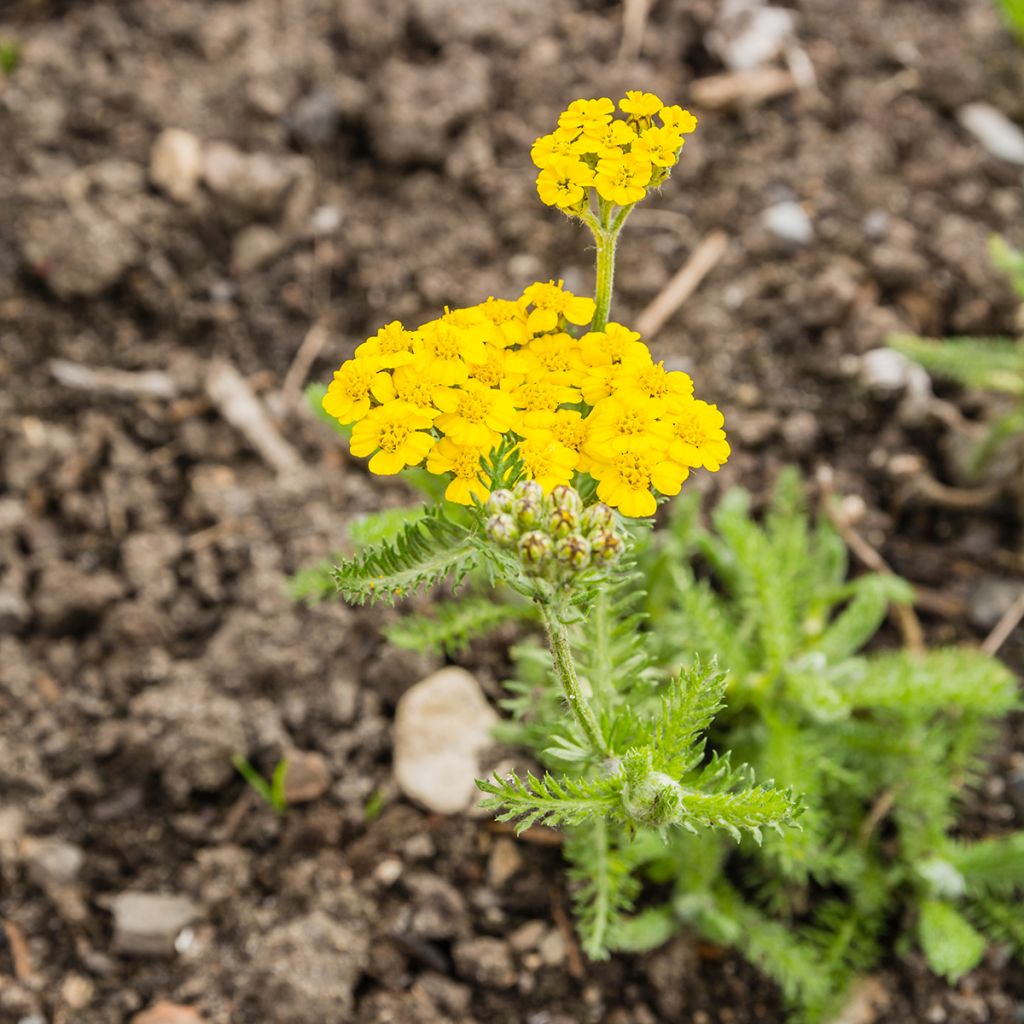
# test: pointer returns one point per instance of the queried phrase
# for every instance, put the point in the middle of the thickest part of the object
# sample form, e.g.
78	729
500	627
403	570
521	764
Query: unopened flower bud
502	529
564	496
528	512
573	552
534	551
500	501
529	490
597	517
606	546
562	521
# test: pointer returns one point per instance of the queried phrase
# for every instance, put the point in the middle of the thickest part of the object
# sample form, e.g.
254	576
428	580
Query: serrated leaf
950	943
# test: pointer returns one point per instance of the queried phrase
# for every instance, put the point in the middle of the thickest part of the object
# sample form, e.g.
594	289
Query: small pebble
164	1012
148	924
176	164
307	777
996	133
789	223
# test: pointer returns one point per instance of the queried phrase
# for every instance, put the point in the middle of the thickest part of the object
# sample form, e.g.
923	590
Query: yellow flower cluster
451	390
619	159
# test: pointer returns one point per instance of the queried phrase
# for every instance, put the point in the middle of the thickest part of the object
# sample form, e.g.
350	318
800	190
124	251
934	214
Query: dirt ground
145	633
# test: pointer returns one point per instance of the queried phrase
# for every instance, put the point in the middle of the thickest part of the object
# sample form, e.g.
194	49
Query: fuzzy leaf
455	623
993	364
548	800
950	943
424	554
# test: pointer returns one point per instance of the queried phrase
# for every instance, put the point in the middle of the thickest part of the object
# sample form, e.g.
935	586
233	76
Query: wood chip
106	380
683	283
305	356
742	88
19	954
234	398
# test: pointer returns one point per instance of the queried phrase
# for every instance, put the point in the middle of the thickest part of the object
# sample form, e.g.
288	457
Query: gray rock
148	924
310	965
52	862
257	183
486	961
441	725
996	133
79	251
886	371
68	598
990	598
748	33
313	121
789	223
176	164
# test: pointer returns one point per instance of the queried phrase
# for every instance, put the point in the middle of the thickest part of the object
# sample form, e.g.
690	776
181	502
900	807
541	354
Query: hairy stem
565	669
606	230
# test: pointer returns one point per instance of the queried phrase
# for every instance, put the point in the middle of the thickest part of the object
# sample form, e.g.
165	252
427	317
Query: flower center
393	436
472	408
691	431
466	465
652	381
538	396
634	471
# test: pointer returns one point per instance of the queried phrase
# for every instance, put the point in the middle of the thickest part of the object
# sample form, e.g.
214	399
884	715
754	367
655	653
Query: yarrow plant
555	434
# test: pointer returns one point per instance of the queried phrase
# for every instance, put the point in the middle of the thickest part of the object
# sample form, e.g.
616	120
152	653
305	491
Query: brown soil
144	630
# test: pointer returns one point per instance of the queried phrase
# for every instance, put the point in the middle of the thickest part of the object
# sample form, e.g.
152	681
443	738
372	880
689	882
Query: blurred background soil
339	164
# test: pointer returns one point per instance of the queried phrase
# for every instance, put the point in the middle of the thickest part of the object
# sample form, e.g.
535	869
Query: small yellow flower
541	396
622	179
555	354
563	182
677	119
446	349
614	419
581	113
391	345
658	145
655	383
698	440
397	432
626	479
464	463
348	395
503	368
549	147
552	301
476	416
413	383
641	106
606	140
566	426
547	461
510	320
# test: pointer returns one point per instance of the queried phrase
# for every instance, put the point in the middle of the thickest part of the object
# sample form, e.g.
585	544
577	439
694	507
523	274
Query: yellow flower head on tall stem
660	146
581	114
640	106
391	345
414	383
397	432
446	349
627	478
698	438
547	461
677	119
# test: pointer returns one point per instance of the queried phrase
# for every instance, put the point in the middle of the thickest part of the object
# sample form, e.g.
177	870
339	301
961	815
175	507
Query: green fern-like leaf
455	623
993	364
424	554
688	707
548	800
950	942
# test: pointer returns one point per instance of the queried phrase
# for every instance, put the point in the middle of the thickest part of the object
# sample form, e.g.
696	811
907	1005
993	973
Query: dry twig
683	283
1002	630
19	954
230	393
742	88
303	360
106	380
634	22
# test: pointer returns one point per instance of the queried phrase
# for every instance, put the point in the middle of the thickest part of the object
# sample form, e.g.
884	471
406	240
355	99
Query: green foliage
990	364
880	747
452	625
272	792
1013	15
424	553
10	56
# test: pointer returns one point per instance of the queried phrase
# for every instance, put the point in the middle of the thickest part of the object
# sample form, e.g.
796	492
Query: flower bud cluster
555	536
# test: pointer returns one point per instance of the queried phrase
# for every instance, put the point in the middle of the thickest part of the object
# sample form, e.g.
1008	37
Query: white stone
996	133
176	163
441	725
788	221
886	370
148	924
749	34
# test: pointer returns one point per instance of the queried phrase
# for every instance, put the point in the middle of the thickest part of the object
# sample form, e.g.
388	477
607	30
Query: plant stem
565	669
606	235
